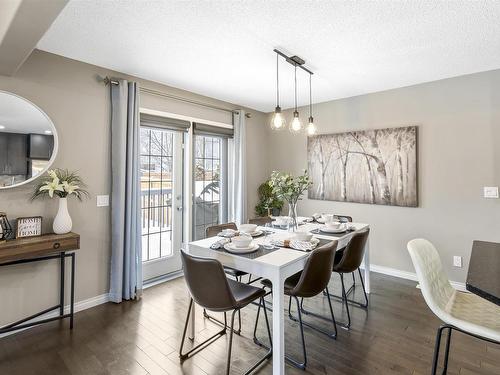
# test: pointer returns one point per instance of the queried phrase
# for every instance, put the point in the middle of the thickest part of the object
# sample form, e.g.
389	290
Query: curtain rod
110	81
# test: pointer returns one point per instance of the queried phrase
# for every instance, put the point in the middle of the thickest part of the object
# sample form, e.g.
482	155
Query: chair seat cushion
473	314
290	283
244	293
232	272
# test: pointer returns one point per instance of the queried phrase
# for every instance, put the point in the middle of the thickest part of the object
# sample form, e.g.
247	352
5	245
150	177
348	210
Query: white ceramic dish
303	236
332	230
241	241
334	225
241	250
256	233
247	228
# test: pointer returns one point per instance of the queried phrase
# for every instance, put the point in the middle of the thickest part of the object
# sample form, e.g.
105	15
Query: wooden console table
36	249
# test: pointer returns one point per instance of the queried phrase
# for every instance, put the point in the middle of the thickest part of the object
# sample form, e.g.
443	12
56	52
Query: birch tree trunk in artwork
322	166
371	182
343	158
400	187
385	193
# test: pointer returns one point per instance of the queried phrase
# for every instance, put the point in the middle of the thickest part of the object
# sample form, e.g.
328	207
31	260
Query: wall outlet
490	191
102	200
457	261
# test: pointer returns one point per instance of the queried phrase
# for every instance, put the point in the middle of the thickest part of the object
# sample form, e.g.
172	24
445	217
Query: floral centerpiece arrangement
62	184
290	189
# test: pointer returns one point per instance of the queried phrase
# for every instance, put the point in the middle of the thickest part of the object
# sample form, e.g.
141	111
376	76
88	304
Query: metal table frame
21	324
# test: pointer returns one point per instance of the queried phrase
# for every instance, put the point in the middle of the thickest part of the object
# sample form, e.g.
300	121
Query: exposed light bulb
311	128
2	127
48	132
278	121
295	125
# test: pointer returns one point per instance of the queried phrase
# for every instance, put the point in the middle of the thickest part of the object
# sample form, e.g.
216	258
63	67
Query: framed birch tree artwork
371	166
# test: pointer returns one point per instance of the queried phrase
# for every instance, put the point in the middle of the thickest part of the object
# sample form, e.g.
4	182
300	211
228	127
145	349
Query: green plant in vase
268	201
290	189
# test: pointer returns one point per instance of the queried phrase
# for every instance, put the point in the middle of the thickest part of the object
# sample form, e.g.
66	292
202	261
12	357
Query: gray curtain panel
238	194
126	263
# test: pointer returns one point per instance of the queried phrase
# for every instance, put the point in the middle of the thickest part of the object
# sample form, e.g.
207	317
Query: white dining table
275	266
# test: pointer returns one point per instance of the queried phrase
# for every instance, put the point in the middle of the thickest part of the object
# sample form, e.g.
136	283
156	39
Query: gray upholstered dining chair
348	261
260	220
211	289
460	311
212	231
310	282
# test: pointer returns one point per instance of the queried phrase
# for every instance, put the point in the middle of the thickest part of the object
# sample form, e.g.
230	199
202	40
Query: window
156	192
210	171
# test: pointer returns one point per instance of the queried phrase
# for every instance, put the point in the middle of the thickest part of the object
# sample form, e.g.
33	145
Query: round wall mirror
28	141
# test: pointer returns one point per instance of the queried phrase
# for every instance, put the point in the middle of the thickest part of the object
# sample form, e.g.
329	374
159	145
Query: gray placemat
333	235
262	251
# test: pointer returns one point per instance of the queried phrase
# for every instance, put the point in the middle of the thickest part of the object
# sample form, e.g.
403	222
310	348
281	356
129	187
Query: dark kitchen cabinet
41	146
13	154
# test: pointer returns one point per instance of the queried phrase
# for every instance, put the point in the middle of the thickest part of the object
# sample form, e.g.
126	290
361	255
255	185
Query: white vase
62	222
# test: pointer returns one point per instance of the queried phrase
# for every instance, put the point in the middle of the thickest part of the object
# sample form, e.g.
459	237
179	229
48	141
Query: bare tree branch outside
370	166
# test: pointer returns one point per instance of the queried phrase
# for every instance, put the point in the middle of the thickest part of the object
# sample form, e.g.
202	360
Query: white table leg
191	327
367	265
278	326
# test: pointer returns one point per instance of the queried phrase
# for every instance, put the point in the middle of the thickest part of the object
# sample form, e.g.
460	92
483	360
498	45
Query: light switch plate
102	200
457	261
490	191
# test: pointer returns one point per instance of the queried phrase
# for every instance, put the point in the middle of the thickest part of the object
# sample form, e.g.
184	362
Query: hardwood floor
395	336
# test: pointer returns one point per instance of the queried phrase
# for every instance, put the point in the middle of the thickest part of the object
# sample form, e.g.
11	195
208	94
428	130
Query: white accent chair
460	311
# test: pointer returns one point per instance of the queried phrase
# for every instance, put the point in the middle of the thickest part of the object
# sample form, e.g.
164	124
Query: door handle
179	208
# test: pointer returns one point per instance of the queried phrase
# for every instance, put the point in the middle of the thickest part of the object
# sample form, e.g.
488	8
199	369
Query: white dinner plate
257	233
332	230
230	247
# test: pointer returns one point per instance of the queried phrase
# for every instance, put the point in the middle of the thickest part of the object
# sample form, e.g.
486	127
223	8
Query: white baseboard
162	279
408	275
79	306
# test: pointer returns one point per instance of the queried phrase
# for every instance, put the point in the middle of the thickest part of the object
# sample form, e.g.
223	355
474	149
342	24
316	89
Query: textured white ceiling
223	49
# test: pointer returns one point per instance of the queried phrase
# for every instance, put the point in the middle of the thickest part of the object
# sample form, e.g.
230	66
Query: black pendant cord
310	96
295	87
277	82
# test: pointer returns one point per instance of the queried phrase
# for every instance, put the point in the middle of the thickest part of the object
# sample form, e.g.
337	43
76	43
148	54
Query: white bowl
303	236
241	241
333	224
248	228
328	218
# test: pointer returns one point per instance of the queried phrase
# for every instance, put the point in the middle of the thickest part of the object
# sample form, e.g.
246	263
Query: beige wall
68	92
459	153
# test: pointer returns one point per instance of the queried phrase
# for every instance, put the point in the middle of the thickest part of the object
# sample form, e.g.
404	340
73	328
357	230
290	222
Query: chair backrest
260	220
207	283
216	229
435	286
353	253
317	271
344	218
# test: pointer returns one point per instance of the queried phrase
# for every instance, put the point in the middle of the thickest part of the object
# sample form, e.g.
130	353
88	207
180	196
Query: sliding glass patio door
161	166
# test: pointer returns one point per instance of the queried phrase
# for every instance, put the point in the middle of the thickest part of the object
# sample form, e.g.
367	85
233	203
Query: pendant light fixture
295	125
277	121
311	128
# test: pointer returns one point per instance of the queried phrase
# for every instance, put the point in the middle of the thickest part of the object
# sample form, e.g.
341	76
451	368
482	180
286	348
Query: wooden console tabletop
30	247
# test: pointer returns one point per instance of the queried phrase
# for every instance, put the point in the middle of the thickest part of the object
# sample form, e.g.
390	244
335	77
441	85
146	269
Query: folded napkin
294	244
228	233
219	244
